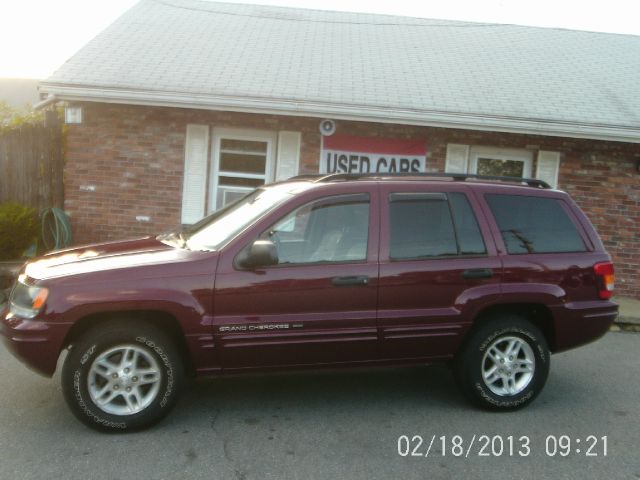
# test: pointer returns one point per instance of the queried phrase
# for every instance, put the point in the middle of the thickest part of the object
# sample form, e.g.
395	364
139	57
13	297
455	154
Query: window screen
534	224
500	167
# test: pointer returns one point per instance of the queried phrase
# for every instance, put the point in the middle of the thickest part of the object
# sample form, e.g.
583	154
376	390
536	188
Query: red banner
348	154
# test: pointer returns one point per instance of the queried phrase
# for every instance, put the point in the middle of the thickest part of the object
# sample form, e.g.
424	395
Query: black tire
474	358
154	351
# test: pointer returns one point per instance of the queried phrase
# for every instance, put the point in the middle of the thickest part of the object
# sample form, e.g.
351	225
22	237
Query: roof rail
532	182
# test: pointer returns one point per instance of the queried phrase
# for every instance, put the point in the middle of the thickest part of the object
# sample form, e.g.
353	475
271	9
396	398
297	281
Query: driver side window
334	229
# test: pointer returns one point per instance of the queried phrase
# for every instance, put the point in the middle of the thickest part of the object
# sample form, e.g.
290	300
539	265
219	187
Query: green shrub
18	230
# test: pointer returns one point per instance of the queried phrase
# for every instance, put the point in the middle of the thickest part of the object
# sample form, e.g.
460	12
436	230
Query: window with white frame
223	164
506	162
500	162
242	161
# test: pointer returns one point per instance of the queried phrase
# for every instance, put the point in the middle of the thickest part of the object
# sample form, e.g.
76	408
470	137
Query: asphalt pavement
361	424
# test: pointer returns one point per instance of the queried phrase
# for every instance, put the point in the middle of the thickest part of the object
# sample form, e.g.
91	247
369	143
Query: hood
104	256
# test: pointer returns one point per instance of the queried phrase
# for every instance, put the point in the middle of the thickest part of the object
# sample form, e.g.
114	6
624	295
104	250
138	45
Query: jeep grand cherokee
490	275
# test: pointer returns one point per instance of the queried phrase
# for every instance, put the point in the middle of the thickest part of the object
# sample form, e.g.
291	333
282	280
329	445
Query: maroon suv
321	272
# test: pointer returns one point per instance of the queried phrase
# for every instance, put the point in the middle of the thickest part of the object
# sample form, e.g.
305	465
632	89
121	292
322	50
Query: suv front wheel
122	376
504	365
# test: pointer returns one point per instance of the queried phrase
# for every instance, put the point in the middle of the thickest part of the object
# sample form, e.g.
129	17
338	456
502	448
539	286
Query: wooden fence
31	166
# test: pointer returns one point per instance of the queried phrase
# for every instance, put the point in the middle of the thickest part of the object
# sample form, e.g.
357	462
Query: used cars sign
347	154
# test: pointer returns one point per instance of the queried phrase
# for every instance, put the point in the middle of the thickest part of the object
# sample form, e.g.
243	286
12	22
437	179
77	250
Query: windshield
215	230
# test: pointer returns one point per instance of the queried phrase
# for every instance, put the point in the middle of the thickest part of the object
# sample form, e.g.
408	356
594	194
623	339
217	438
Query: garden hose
56	229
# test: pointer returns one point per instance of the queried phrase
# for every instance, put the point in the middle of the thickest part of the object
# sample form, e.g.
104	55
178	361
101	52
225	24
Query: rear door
318	305
438	266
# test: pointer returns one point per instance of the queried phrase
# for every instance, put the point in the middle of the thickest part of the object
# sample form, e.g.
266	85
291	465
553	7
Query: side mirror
261	253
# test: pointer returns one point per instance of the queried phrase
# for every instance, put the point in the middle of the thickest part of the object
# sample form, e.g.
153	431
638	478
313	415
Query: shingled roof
219	56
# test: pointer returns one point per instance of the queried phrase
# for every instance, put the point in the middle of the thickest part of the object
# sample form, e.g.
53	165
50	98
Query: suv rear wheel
122	377
504	365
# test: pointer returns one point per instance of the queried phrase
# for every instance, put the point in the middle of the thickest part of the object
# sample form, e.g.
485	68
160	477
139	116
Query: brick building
181	106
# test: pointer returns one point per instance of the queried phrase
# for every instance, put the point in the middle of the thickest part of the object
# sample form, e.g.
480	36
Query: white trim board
465	121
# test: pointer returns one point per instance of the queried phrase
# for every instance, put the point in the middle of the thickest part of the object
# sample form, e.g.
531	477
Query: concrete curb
629	312
628	320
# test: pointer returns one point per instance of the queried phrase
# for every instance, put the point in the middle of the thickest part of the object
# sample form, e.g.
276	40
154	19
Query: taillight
605	277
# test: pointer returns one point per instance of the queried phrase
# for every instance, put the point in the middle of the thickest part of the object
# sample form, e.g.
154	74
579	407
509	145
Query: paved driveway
341	425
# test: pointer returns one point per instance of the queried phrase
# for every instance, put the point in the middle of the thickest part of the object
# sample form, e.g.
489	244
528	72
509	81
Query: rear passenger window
425	225
534	224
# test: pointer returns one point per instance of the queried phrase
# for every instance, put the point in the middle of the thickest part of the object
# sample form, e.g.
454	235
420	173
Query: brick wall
133	157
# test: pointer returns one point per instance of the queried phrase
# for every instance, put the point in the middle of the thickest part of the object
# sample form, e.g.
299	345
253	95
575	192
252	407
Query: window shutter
288	155
548	166
194	189
457	158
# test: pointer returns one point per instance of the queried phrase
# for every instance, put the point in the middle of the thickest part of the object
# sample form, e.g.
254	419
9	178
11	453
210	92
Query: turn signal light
41	297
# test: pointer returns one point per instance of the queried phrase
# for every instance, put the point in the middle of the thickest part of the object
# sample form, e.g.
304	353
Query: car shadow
307	391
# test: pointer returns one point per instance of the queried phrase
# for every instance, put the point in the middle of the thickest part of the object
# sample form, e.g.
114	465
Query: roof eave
376	114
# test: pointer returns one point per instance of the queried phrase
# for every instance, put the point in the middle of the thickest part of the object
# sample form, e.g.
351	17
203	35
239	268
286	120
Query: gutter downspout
46	102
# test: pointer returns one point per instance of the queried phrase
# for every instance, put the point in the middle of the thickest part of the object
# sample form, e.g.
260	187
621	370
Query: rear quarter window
531	224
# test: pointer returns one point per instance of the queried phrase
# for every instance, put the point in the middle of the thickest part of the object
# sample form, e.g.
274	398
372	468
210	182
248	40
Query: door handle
353	280
478	273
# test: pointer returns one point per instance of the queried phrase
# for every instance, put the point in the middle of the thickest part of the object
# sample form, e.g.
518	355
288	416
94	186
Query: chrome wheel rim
508	366
124	380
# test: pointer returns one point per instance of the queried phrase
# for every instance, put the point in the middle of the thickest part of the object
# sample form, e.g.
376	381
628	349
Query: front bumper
36	343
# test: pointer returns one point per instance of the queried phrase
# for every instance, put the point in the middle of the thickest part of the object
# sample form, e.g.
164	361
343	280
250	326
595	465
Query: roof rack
459	177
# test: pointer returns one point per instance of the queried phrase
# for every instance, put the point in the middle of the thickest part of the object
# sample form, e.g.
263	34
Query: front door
318	305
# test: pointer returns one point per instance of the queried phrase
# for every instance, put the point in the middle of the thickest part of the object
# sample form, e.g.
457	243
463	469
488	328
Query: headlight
26	301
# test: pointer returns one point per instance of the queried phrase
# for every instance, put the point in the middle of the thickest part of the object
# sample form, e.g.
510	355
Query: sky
38	36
